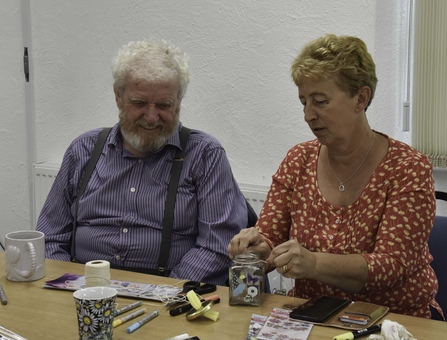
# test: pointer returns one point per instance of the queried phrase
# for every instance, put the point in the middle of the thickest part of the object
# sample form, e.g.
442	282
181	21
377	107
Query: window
429	90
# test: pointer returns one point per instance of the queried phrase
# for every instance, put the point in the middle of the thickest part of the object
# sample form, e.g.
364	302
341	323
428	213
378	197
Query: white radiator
254	194
44	175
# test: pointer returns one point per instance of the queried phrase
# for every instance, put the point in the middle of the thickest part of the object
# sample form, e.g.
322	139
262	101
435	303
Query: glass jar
246	280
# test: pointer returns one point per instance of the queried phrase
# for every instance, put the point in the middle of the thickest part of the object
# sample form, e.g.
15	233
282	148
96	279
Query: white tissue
392	331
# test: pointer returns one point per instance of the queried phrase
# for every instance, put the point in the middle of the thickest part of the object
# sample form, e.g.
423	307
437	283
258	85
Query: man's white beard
129	130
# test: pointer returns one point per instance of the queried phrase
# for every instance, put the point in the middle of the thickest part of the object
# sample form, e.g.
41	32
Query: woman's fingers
286	256
246	239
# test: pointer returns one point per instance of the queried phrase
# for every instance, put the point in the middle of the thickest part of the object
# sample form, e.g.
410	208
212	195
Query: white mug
25	255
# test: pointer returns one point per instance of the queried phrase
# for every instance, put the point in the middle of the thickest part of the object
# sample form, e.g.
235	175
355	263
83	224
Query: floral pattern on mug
95	318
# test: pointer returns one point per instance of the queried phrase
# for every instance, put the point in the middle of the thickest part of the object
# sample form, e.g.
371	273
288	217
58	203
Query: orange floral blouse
389	224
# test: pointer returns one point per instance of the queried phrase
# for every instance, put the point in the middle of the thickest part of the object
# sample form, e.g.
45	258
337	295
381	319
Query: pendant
341	187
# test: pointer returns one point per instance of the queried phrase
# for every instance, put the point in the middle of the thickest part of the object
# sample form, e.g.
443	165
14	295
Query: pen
126	308
143	321
3	296
359	333
126	318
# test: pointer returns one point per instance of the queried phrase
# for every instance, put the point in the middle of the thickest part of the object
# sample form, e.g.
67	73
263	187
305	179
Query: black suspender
168	218
88	172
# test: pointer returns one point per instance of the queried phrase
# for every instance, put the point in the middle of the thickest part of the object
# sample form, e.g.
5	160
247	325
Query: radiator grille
254	194
44	176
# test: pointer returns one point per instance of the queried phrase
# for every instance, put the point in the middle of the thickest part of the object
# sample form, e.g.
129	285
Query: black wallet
318	310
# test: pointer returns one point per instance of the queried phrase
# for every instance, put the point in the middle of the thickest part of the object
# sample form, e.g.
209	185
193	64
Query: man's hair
345	59
150	61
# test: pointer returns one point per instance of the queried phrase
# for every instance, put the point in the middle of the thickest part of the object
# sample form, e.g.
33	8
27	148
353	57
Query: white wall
241	90
14	184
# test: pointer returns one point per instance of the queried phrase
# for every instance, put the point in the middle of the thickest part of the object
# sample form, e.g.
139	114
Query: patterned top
389	224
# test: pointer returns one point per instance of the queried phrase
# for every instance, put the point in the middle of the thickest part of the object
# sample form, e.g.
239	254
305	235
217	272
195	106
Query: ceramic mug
25	255
94	308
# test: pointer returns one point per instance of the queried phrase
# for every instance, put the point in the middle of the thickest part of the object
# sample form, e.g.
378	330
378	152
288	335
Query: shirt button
132	189
331	237
140	161
125	230
337	220
338	211
117	257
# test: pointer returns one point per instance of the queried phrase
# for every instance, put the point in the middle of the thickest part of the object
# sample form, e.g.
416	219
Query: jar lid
246	257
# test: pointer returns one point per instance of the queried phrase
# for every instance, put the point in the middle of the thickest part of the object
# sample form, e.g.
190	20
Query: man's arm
56	218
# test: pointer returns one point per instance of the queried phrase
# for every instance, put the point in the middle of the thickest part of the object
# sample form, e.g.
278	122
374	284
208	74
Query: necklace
341	187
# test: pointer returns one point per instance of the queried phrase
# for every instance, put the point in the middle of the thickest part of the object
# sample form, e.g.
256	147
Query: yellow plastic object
194	300
200	308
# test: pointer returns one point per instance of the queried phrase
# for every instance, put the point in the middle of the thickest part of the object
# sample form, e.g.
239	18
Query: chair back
437	244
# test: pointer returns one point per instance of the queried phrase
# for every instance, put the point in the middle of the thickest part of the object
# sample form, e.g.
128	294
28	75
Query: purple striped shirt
120	213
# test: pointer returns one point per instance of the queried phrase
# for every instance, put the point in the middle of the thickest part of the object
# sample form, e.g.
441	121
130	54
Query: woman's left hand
292	260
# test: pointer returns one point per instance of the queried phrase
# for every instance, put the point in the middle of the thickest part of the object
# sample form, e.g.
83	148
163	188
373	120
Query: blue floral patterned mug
94	309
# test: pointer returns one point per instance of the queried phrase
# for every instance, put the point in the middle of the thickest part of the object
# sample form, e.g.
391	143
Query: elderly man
120	215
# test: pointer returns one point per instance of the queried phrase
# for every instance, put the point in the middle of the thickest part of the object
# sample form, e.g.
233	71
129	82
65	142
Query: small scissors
196	286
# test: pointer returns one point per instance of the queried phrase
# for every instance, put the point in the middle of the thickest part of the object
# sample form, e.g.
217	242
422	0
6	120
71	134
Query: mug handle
28	273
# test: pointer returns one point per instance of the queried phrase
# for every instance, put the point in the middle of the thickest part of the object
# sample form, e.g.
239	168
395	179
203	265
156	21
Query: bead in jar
246	280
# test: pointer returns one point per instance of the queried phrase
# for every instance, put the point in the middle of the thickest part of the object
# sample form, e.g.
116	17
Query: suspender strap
168	218
88	172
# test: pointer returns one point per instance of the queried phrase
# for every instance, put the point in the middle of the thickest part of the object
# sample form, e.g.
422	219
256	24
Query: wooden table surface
37	313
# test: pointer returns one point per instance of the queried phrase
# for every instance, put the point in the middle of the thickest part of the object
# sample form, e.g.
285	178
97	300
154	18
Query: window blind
429	90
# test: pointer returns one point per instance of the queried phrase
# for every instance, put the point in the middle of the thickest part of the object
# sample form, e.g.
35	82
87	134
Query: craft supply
183	336
246	280
143	321
127	308
128	317
188	307
7	334
97	273
200	308
359	333
196	286
3	296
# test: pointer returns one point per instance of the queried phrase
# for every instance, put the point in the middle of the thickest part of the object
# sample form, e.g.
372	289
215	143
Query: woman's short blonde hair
343	58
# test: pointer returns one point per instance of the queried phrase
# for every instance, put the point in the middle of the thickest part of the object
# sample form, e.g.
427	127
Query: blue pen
143	321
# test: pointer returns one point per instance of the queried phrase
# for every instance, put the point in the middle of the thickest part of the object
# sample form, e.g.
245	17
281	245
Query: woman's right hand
249	240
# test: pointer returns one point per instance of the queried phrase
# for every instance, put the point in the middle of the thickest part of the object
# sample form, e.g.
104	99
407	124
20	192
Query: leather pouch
355	316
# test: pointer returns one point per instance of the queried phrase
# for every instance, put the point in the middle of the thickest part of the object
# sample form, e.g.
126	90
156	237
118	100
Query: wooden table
36	313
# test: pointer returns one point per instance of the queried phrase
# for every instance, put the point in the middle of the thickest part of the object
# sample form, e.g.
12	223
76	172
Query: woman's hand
249	240
292	260
346	271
